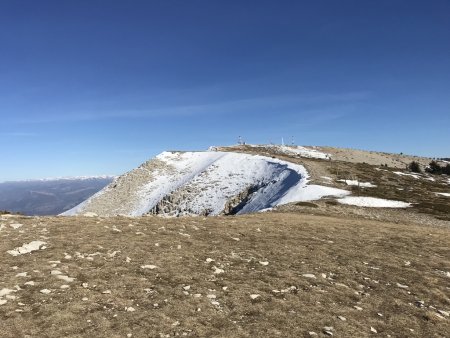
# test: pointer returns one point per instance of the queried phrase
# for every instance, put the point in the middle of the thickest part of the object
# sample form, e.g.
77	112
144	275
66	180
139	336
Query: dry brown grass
363	260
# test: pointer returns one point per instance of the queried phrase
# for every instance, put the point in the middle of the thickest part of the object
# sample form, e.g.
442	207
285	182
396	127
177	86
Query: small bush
434	168
414	167
446	169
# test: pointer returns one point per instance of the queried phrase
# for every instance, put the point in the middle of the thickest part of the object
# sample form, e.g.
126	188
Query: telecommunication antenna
240	140
292	140
282	141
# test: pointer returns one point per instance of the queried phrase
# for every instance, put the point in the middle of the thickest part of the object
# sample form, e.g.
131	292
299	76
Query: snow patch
359	184
406	174
302	151
372	202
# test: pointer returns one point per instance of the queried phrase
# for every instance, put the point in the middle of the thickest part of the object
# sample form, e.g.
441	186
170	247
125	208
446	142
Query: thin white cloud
275	103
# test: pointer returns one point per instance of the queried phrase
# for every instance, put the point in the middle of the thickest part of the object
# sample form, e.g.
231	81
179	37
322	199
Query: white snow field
194	183
301	151
357	183
372	202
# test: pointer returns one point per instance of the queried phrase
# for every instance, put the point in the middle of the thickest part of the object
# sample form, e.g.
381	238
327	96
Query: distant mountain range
49	196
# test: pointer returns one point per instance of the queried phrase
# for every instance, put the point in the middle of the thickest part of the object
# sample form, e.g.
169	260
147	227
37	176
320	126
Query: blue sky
97	87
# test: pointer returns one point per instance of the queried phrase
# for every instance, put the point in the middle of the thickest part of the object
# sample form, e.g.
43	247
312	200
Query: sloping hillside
205	183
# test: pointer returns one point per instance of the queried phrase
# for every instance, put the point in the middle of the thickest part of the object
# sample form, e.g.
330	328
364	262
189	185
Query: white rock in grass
56	272
439	316
29	283
217	270
130	309
309	275
264	263
3	301
312	334
254	296
187	287
65	286
106	292
113	254
22	274
45	291
342	318
128	259
372	329
26	248
148	266
402	286
209	260
66	278
358	308
328	330
445	313
16	225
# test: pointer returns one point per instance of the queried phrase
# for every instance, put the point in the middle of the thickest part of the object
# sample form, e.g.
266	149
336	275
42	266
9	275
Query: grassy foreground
261	275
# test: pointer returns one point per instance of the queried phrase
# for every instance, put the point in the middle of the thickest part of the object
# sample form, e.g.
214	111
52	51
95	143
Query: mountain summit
206	183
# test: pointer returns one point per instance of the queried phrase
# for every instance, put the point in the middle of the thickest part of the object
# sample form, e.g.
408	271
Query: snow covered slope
204	183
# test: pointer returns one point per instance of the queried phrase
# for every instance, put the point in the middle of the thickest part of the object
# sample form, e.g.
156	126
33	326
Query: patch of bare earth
261	275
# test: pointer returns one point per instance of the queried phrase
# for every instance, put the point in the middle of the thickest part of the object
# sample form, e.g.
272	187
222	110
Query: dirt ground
263	275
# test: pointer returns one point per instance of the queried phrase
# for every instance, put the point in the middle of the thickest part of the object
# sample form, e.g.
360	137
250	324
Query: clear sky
97	87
